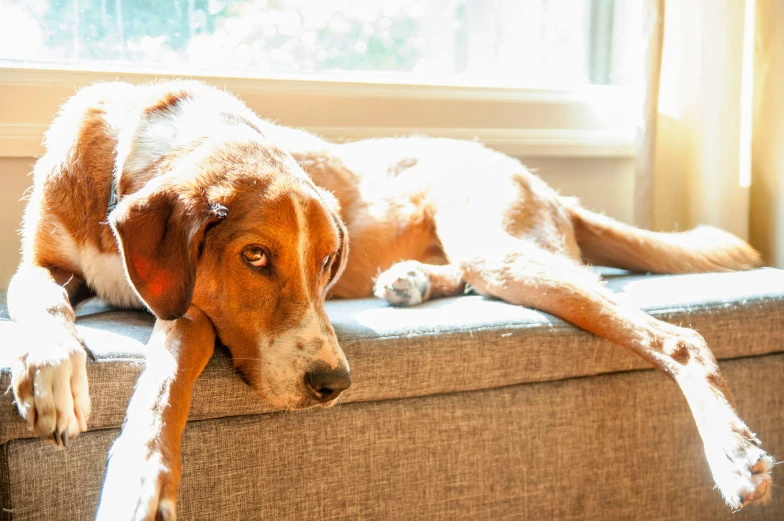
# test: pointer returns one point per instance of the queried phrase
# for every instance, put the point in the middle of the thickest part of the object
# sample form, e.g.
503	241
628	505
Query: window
503	43
531	78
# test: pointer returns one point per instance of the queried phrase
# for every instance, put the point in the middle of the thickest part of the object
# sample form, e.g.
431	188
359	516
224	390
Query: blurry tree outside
531	43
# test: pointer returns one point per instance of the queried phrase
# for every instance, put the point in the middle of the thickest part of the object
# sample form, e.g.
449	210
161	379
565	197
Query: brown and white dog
227	226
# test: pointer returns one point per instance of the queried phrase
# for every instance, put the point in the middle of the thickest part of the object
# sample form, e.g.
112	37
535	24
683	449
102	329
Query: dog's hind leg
529	276
49	376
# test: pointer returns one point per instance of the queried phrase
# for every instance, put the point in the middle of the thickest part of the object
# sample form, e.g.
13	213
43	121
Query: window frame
592	122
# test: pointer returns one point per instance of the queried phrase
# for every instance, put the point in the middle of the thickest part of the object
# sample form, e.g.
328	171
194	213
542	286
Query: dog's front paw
140	485
404	284
741	470
49	381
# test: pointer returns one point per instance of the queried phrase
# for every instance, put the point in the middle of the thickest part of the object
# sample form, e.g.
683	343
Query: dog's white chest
104	273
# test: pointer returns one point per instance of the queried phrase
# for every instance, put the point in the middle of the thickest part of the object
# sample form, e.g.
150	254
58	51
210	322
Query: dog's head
241	232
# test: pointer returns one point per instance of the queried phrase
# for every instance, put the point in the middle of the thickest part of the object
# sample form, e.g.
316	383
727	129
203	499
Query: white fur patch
55	366
103	272
154	138
403	284
285	361
144	140
312	329
739	466
302	245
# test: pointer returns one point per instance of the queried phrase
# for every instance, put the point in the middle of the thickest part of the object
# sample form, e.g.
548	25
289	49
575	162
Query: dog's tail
606	242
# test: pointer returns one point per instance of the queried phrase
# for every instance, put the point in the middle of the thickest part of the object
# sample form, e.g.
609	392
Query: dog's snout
326	384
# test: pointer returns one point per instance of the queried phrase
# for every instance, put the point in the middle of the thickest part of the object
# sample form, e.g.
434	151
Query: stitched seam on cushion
549	381
552	380
730	306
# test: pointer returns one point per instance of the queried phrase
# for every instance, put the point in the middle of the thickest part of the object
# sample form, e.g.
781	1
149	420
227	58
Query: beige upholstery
460	409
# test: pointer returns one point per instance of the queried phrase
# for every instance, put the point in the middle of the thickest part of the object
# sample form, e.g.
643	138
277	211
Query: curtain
767	158
713	148
653	36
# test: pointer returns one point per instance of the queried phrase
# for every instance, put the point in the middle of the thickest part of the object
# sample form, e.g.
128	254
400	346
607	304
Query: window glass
517	43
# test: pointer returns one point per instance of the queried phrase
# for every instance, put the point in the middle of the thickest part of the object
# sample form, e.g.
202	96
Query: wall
14	180
601	184
605	185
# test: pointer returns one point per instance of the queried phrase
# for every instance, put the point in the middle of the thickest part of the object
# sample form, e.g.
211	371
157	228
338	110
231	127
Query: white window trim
592	122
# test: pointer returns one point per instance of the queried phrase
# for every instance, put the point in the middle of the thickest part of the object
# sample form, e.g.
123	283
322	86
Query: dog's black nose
327	384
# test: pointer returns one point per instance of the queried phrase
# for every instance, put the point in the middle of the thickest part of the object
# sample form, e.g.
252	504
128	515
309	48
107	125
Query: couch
462	408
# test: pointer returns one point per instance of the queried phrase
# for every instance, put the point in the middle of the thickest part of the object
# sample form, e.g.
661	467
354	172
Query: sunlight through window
517	43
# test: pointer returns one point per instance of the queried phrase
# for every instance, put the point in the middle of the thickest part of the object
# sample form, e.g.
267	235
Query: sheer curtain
698	179
715	156
767	159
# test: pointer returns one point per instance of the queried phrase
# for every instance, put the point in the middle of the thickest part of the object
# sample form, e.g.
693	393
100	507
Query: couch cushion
621	447
447	345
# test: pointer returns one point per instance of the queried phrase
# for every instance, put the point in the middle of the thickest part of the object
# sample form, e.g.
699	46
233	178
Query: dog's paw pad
404	284
743	476
760	481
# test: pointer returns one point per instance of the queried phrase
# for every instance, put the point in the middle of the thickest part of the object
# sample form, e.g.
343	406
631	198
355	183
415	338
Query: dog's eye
255	257
326	263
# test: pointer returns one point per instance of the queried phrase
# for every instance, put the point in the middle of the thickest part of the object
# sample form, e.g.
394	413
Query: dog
177	198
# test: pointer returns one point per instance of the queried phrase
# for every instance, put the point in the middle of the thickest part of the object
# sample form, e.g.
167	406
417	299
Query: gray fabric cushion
614	447
447	345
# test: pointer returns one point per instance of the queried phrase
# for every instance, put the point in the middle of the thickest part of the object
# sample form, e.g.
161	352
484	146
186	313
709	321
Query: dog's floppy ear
159	232
339	264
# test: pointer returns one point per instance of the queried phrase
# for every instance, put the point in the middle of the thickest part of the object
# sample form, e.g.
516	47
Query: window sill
593	122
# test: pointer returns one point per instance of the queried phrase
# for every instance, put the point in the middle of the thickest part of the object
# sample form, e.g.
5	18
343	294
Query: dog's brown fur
424	217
